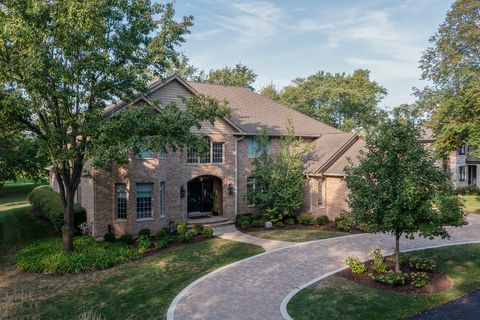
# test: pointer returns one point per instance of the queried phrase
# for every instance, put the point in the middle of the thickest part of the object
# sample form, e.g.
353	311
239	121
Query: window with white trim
144	200
461	173
217	152
162	199
213	154
121	201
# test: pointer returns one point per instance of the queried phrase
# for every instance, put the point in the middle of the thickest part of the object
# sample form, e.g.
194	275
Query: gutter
236	174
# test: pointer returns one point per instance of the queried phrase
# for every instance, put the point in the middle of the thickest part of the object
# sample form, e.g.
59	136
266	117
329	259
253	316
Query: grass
142	289
339	298
17	225
296	235
472	204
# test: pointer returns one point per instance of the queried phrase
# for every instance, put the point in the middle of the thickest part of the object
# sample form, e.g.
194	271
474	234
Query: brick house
158	190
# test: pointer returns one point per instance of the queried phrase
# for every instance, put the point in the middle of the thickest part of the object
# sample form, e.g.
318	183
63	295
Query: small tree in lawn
278	178
397	189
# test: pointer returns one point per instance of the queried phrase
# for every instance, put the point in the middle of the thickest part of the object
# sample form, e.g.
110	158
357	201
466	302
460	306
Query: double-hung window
162	199
144	200
213	154
217	152
121	201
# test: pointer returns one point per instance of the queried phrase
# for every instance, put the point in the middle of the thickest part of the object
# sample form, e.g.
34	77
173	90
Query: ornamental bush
126	239
306	219
144	232
45	256
181	229
419	279
244	224
423	264
162	242
244	217
165	231
144	243
391	278
355	265
198	228
322	220
290	221
187	236
207	232
109	237
378	263
258	223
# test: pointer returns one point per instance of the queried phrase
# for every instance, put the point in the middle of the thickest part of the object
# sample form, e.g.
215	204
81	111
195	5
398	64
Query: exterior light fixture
230	188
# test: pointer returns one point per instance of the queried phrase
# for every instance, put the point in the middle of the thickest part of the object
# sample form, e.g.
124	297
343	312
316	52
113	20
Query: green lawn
472	204
17	225
338	298
142	289
296	235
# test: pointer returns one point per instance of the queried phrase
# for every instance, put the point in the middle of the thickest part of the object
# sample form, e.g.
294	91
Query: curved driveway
254	288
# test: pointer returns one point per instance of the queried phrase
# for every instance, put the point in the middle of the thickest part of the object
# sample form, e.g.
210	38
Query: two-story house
158	190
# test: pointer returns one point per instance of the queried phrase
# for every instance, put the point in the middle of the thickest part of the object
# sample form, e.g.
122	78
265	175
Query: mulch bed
438	281
328	227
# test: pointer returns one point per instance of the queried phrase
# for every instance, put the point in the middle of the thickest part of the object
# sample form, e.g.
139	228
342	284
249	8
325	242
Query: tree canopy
452	63
397	189
239	75
62	62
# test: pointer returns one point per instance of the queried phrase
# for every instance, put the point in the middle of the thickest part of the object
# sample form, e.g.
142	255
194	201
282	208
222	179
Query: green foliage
244	224
423	264
341	100
355	265
452	65
471	190
289	221
378	263
419	279
322	220
181	228
244	217
258	223
164	232
48	204
126	239
240	76
109	237
162	242
306	219
187	236
143	243
144	232
344	223
271	92
207	232
279	224
198	229
393	279
45	256
278	178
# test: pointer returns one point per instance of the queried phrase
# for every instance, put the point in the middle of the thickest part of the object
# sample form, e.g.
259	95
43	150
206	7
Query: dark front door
200	195
472	175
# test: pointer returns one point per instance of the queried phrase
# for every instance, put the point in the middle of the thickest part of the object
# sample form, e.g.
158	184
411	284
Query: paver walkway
255	288
231	233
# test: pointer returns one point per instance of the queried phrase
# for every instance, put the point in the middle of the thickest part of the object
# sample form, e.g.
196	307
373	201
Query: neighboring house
459	164
157	190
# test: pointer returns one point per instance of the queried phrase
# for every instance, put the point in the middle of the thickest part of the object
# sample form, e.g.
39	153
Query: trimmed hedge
45	256
48	204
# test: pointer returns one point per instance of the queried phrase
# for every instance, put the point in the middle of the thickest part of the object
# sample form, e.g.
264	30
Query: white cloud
203	35
306	25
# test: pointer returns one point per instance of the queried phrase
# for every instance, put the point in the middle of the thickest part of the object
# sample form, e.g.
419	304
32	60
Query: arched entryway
204	197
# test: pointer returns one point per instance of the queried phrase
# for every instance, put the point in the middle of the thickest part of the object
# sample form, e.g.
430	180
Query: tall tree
347	102
271	92
240	76
452	63
397	189
62	62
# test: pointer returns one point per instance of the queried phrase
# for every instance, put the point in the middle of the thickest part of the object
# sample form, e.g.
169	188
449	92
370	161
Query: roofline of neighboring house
338	154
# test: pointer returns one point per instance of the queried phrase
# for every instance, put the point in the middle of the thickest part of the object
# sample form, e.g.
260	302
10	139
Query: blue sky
282	40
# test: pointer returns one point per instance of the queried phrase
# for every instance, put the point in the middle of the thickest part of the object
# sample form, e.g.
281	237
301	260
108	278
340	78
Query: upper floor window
253	149
213	154
217	152
144	200
121	201
461	150
461	173
146	154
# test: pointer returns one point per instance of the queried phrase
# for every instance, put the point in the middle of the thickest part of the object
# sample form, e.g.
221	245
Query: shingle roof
351	155
253	112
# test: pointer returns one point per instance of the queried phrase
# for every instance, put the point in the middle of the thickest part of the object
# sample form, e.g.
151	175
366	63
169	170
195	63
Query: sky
282	40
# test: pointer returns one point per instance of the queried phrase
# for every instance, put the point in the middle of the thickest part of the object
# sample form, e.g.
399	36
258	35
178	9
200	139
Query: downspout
309	191
236	173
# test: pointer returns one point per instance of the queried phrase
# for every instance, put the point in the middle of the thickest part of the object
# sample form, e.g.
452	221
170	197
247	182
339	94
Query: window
162	199
250	189
121	208
253	149
144	200
192	155
461	173
217	152
145	154
320	193
162	155
461	151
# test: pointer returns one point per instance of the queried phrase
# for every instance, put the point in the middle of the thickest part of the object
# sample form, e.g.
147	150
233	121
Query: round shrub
419	279
258	223
306	219
244	224
279	224
289	221
143	243
391	278
181	228
244	217
161	243
207	232
355	265
109	237
322	220
144	232
343	224
187	236
126	239
198	228
165	231
45	256
423	264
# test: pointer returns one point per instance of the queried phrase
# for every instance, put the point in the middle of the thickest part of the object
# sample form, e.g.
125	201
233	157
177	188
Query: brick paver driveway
255	288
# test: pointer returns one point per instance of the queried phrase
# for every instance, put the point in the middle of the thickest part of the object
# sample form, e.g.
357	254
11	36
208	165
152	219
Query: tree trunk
68	227
397	253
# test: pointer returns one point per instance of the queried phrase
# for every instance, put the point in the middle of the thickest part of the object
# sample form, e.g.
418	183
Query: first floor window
250	190
320	193
162	199
144	200
461	173
121	205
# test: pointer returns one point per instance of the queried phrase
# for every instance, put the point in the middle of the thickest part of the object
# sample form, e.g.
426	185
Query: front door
472	175
200	195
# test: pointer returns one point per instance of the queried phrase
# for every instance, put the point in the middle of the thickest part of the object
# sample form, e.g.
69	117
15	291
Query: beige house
158	190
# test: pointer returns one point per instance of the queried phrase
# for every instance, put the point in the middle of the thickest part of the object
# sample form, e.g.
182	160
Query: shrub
322	220
45	256
181	229
244	224
207	232
126	239
143	243
279	224
363	227
470	190
405	258
258	223
344	223
144	232
244	217
419	279
162	242
378	264
391	278
48	204
109	237
187	236
355	265
164	232
289	221
198	228
423	264
306	218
